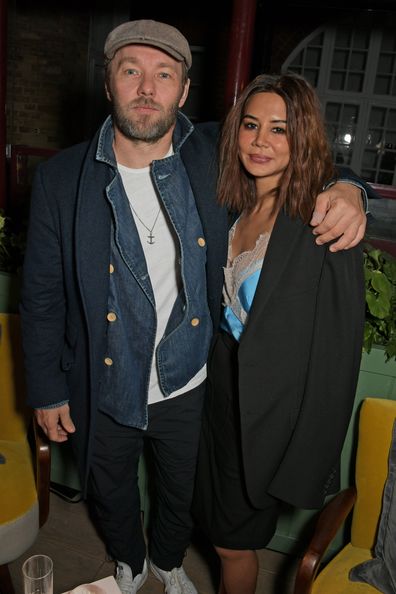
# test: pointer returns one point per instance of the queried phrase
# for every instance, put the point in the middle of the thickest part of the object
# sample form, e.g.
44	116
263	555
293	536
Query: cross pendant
150	238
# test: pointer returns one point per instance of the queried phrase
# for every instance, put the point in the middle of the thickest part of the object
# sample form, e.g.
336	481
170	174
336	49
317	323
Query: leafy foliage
380	327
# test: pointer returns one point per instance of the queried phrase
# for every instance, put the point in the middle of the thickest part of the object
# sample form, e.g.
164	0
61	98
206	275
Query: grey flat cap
146	32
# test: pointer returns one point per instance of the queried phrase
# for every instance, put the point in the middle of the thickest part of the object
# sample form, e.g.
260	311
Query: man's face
146	90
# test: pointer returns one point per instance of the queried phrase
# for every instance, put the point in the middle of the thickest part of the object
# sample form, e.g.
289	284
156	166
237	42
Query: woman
283	369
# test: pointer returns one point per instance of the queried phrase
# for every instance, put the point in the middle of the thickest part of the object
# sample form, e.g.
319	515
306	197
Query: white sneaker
125	580
176	581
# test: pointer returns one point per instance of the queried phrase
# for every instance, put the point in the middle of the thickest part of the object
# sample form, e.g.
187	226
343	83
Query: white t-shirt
161	252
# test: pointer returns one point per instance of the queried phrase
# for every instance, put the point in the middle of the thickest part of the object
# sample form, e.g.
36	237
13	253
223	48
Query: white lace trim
239	269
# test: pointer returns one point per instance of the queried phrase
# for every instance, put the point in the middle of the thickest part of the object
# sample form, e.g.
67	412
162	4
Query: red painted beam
3	81
241	47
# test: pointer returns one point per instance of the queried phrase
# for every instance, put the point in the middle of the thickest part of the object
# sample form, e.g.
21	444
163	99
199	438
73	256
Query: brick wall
46	79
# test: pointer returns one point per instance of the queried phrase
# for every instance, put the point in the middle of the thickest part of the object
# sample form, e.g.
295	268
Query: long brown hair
310	165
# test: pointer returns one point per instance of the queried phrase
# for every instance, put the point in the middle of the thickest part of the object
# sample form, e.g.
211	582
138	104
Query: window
353	68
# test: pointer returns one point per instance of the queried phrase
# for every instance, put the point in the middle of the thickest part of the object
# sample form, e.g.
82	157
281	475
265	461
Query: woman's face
263	146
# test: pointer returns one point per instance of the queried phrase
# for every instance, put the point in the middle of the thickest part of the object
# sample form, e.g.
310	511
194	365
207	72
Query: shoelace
173	577
183	581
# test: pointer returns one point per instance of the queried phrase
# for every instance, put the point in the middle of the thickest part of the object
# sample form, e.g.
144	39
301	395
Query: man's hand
339	214
55	422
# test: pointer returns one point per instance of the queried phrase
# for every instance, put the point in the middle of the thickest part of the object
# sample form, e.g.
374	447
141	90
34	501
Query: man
122	290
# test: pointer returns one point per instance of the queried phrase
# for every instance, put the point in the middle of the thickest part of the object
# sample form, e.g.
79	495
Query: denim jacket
131	329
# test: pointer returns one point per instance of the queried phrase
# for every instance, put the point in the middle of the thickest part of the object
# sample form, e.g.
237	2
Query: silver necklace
150	236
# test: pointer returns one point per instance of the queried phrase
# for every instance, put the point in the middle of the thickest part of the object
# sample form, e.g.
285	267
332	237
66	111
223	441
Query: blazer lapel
284	237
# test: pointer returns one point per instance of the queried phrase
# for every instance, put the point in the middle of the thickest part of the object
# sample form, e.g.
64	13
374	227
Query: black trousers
113	493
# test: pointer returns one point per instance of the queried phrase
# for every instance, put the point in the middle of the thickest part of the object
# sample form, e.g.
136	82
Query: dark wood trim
330	520
43	471
3	90
6	586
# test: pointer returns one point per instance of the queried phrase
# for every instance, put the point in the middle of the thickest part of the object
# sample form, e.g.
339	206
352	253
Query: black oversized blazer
66	274
299	360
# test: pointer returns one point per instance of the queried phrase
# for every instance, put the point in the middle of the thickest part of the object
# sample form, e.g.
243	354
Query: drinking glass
38	575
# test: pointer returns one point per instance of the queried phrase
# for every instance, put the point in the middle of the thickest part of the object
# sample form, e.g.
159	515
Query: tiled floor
79	556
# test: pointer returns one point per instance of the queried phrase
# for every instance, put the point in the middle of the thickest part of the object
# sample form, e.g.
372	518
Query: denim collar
105	153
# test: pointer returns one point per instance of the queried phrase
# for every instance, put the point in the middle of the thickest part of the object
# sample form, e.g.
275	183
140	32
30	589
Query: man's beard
140	128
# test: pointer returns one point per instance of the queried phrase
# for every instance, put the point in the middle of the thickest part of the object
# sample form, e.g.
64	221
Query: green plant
380	276
12	245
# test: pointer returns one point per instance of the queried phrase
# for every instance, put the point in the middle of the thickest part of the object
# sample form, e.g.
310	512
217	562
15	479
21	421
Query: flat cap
147	32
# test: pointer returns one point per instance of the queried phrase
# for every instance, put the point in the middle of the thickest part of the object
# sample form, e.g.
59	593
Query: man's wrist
54	405
353	183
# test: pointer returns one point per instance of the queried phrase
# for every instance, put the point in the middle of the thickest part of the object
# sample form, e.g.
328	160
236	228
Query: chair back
14	414
376	420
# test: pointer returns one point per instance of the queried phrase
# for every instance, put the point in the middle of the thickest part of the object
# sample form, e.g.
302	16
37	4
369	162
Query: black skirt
221	506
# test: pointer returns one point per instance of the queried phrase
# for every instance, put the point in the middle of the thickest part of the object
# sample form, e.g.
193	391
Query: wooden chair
25	457
376	420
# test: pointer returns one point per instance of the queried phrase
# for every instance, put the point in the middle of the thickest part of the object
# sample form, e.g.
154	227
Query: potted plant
380	278
12	247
